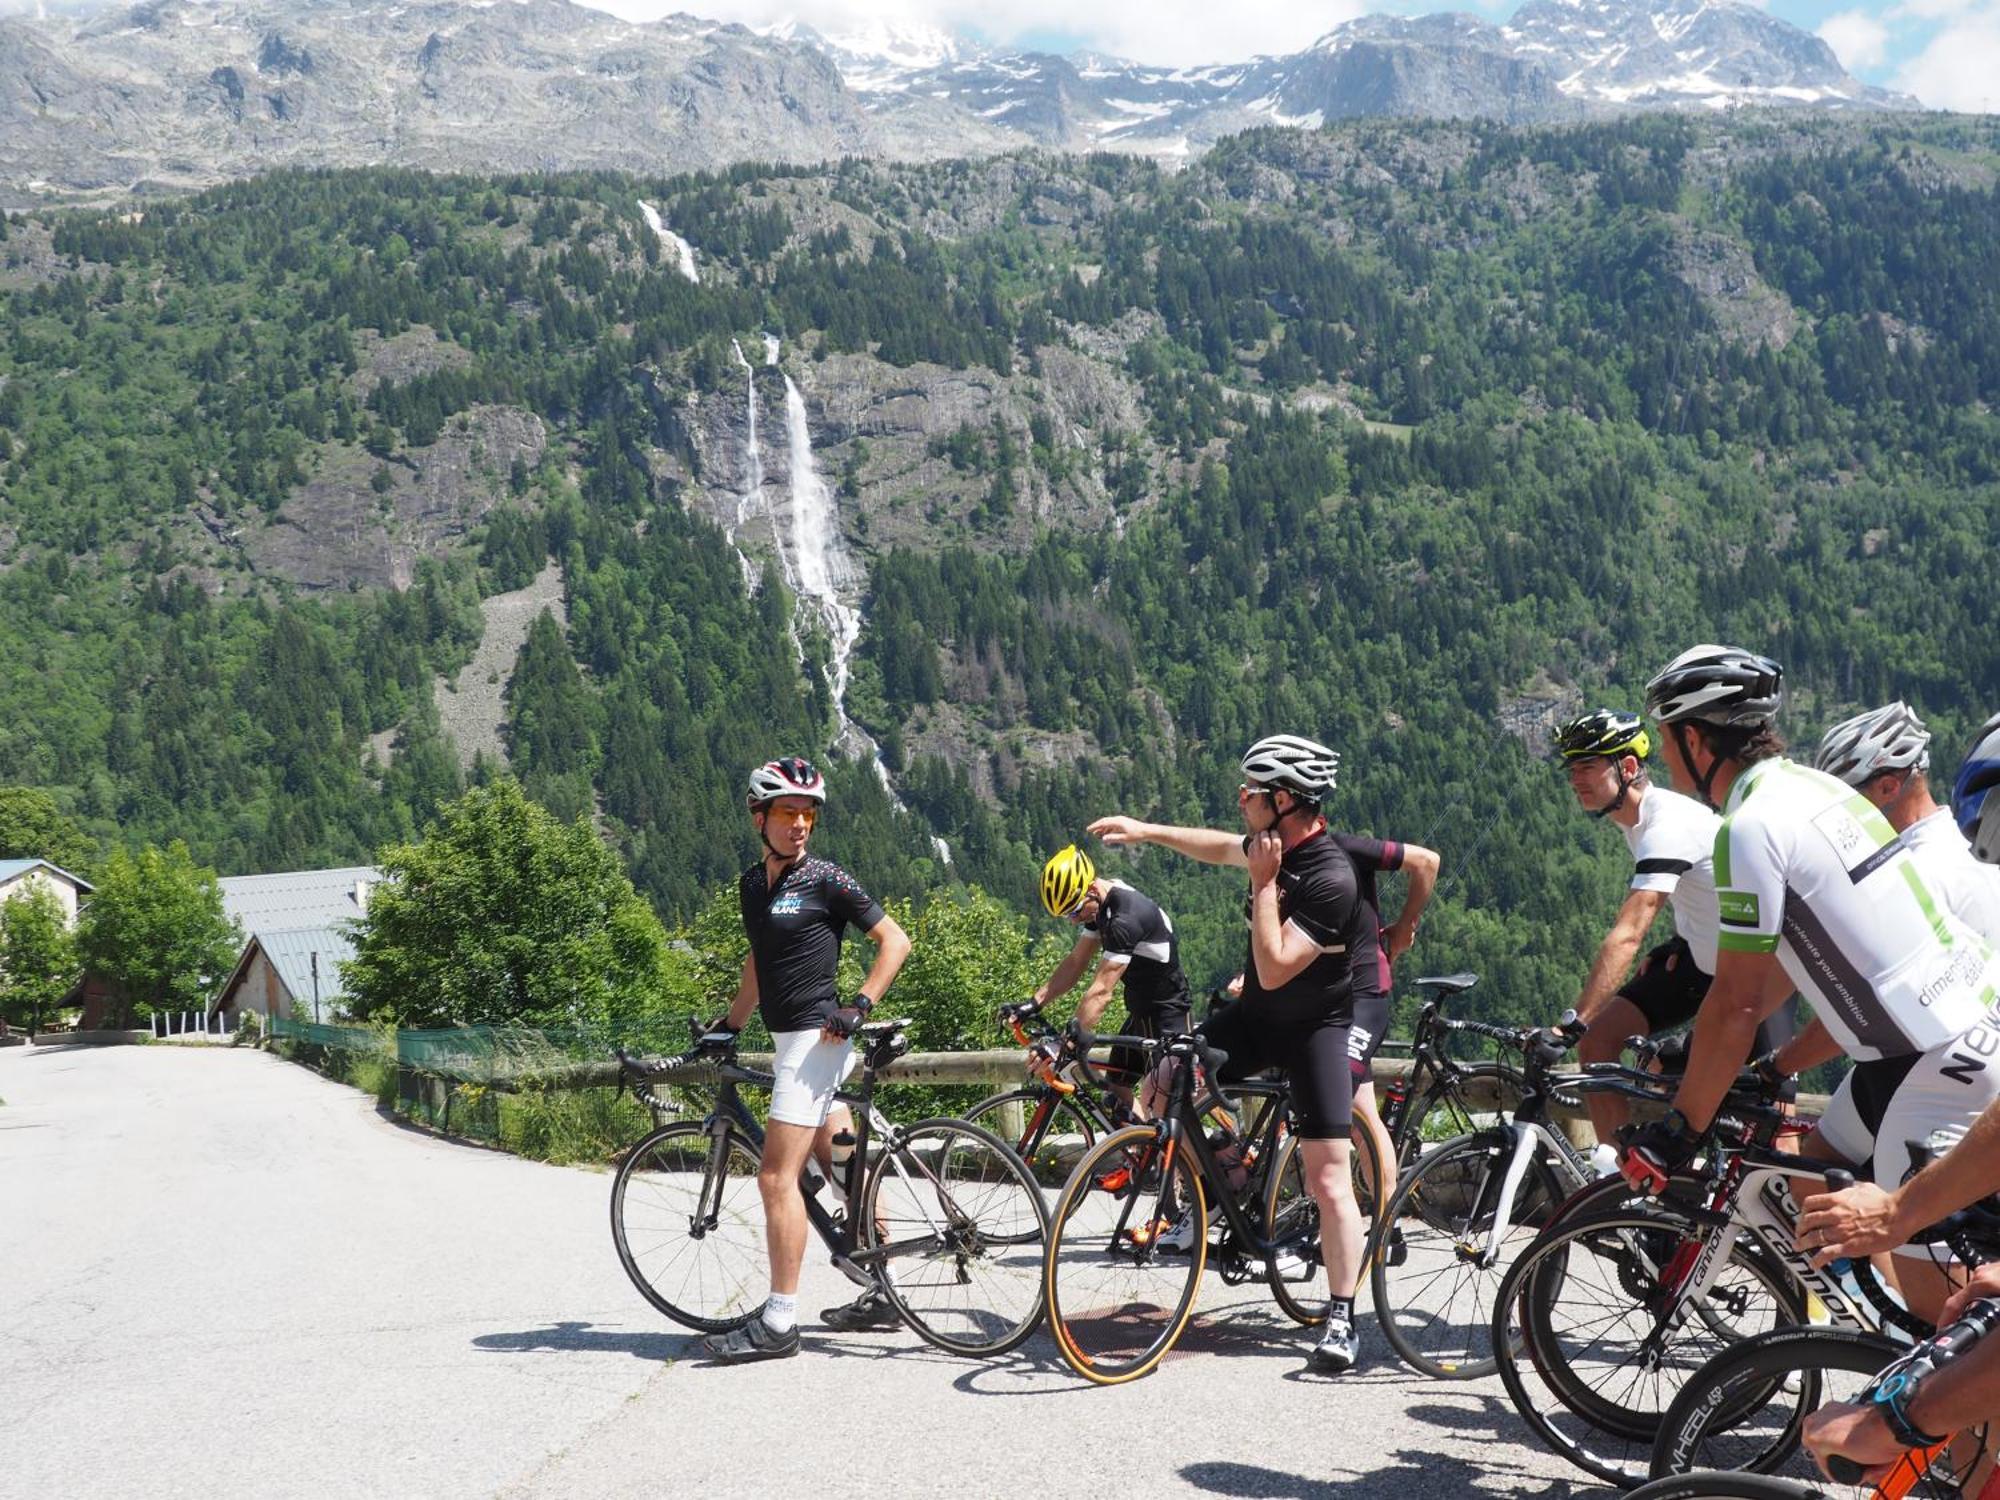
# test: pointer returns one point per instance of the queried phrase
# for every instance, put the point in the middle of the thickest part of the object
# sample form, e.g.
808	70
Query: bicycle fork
1526	1143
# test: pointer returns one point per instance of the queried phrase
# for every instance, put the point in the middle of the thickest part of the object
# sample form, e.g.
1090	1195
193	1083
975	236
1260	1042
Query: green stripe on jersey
1931	914
1747	942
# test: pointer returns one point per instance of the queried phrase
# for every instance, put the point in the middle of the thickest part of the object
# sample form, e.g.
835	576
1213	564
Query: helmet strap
1704	781
1624	791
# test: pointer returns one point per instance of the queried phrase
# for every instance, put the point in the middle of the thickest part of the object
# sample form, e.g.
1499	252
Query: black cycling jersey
795	934
1319	894
1134	932
1371	857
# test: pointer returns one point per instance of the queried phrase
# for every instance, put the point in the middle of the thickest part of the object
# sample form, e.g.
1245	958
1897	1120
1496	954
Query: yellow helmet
1066	880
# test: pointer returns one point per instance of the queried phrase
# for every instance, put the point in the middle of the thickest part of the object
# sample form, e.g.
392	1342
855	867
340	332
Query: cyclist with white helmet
1815	893
795	910
1132	940
1672	841
1885	754
1310	933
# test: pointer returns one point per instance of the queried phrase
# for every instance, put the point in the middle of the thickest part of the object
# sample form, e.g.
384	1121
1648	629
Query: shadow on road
1412	1475
573	1338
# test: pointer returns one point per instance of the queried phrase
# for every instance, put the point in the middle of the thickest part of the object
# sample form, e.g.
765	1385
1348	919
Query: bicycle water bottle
1397	1098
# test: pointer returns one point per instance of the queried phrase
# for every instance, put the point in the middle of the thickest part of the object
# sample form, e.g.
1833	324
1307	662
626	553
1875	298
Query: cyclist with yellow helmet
1133	943
1672	842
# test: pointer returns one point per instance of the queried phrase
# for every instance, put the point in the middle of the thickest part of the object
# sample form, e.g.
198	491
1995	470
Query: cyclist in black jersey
1308	929
1132	940
795	910
1372	857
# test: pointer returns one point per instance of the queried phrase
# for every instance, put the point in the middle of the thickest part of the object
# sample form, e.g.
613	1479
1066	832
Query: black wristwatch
1893	1400
863	1002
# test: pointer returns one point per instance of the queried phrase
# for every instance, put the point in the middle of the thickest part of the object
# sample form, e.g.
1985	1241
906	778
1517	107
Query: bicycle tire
1062	1115
961	1189
1111	1327
1291	1216
656	1200
1722	1420
1605	1415
1445	1204
1724	1486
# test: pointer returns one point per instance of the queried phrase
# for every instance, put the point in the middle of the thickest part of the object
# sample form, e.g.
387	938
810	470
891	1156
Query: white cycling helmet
1723	685
1975	796
787	776
1303	767
1889	738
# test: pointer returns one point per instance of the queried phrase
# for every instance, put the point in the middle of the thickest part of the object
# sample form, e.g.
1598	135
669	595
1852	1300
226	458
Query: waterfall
824	570
678	250
753	472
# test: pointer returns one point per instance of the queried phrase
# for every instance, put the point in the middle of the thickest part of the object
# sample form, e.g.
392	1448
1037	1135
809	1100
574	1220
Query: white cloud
1959	68
1168	32
1858	39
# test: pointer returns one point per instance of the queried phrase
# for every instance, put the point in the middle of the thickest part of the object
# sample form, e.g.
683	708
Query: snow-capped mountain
165	94
1555	60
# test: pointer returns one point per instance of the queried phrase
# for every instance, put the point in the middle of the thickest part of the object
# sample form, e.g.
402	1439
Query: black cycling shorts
1671	988
1312	1055
1365	1034
1126	1063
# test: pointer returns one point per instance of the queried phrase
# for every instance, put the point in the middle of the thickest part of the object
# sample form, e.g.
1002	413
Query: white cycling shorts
808	1069
1924	1115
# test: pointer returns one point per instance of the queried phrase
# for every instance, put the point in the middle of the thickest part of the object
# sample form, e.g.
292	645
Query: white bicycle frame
1530	1140
1763	1207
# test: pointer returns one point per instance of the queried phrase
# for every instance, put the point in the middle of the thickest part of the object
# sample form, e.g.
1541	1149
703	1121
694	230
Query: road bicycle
940	1215
1121	1284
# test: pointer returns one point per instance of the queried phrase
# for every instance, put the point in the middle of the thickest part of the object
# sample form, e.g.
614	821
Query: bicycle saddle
1448	984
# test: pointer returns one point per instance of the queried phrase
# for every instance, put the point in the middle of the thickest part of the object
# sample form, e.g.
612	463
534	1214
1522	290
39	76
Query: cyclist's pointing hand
1118	829
1856	1221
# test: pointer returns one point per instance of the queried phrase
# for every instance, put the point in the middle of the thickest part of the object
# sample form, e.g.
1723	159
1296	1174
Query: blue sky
1947	52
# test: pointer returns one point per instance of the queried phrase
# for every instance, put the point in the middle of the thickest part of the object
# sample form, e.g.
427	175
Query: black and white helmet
1717	685
1889	738
787	776
1303	767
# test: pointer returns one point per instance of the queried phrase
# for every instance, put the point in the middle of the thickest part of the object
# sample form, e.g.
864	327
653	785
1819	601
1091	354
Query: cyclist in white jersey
1672	839
1885	754
1816	893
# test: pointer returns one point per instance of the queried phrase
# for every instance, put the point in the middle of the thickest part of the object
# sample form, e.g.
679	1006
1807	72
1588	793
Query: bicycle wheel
1046	1119
1434	1298
1291	1220
1585	1340
1719	1486
1744	1409
689	1225
962	1225
1116	1301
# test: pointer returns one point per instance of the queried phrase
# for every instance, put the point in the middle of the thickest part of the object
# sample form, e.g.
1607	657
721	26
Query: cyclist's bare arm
1422	866
1811	1047
1965	1393
1747	988
1069	970
1090	1008
1211	846
1866	1218
1615	953
745	1003
892	946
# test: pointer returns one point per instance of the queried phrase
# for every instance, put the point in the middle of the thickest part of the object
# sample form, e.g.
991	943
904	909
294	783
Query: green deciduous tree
155	930
503	914
37	955
33	826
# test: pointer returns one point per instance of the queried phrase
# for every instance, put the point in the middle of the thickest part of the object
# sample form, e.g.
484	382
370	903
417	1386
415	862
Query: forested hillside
1407	437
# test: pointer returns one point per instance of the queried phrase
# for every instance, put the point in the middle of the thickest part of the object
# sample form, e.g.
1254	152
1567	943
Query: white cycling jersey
1673	850
1808	868
1970	889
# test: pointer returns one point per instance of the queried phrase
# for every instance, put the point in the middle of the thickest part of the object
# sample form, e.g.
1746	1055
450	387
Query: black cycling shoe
869	1312
755	1340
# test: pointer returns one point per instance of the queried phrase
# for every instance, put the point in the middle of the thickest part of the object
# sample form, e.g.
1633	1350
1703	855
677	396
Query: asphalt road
221	1275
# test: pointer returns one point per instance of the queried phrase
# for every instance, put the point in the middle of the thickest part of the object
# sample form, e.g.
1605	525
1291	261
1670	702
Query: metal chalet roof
298	899
11	868
291	951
